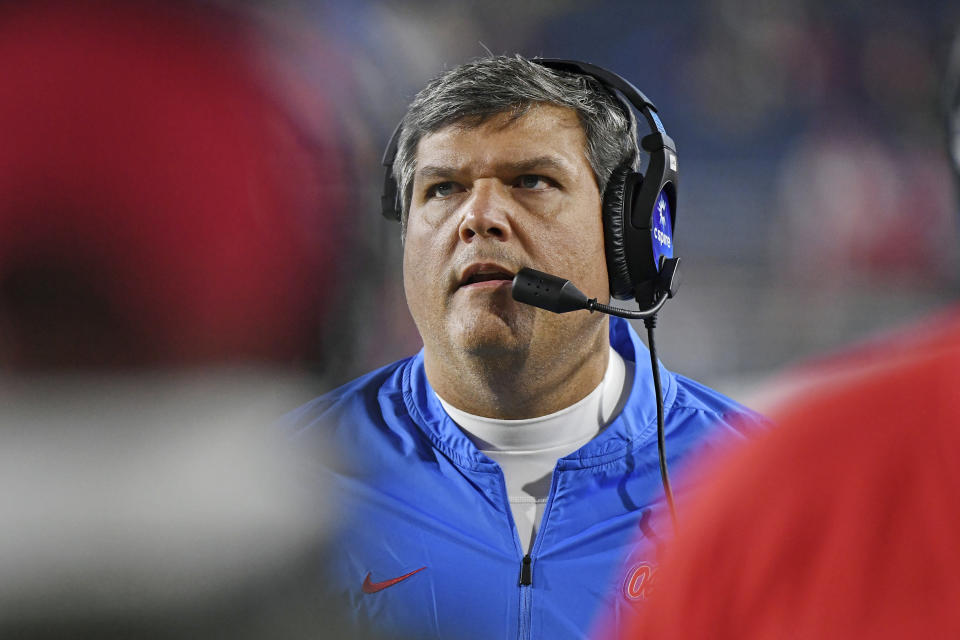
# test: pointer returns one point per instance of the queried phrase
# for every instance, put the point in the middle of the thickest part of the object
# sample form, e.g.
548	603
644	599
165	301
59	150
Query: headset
639	210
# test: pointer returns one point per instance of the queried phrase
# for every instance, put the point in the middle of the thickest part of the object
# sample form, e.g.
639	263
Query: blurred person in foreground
493	482
167	238
844	521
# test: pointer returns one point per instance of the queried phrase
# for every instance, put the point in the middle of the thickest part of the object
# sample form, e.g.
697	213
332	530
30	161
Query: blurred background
191	245
816	204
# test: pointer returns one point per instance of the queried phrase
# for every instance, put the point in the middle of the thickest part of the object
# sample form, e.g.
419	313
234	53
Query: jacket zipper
526	566
526	584
526	573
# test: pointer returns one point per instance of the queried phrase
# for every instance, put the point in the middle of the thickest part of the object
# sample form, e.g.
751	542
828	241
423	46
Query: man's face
487	201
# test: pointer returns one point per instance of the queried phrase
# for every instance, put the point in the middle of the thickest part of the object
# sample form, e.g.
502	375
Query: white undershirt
527	450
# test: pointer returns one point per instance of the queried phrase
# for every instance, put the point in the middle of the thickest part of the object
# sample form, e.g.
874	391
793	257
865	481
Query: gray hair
477	91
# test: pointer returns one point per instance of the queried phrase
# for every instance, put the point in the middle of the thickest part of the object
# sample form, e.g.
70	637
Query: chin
489	337
495	354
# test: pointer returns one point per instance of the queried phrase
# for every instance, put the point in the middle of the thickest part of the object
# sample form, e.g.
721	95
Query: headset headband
611	81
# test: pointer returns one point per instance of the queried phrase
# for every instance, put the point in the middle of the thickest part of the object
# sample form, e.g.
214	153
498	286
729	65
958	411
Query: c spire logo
661	228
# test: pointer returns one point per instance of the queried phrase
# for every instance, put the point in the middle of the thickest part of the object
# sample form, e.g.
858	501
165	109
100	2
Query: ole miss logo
640	581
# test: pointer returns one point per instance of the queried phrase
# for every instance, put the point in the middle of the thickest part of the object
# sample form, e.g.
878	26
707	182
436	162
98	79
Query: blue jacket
421	503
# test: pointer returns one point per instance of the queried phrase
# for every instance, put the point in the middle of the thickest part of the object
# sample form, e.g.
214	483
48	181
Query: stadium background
816	204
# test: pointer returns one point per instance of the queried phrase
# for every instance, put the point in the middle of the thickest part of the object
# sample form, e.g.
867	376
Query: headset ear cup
614	221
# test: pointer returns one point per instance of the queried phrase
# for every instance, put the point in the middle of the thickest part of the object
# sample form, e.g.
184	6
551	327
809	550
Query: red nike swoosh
373	587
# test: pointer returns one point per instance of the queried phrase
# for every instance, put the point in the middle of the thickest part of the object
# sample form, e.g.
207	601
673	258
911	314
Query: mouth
485	276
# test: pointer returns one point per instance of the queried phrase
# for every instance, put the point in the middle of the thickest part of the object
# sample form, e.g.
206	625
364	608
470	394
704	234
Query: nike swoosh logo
373	587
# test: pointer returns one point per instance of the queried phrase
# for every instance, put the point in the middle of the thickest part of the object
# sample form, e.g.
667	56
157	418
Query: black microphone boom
558	295
548	292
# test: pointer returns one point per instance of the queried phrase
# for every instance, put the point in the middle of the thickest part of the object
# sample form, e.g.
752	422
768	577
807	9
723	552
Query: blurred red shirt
158	204
844	521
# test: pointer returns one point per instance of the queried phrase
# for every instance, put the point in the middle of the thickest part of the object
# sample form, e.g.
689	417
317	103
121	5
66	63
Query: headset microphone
555	294
558	295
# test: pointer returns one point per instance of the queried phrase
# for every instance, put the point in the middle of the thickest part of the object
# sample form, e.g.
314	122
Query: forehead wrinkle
539	163
446	156
433	171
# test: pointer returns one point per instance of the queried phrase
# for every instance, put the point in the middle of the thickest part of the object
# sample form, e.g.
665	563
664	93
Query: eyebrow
538	163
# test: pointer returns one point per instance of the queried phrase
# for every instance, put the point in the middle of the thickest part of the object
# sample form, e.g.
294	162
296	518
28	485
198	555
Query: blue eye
531	181
443	190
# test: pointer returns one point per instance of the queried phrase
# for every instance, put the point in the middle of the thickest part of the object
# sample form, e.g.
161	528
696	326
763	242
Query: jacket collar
634	426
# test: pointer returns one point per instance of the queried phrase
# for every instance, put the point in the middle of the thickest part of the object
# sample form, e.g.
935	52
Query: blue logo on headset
661	230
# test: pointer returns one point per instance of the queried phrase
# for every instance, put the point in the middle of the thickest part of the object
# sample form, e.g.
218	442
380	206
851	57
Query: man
493	483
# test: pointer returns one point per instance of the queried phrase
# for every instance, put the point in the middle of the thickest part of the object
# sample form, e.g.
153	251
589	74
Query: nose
486	213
